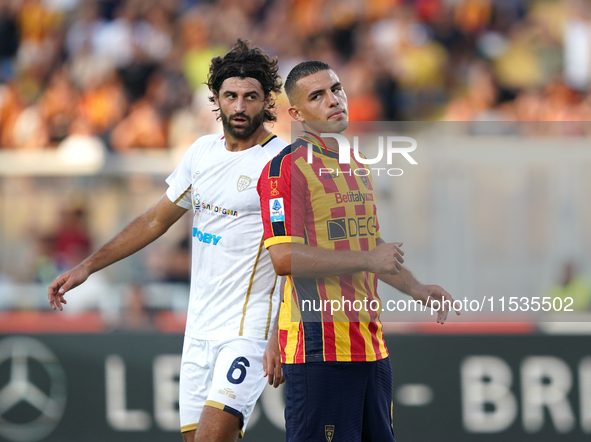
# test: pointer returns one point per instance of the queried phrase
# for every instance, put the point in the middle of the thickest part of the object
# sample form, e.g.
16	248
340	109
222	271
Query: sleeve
179	182
282	207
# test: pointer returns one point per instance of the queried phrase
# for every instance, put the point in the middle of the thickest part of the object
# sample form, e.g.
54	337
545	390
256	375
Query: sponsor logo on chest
207	238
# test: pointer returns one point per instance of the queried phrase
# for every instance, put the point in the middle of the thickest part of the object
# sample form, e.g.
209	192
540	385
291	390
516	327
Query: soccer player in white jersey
234	289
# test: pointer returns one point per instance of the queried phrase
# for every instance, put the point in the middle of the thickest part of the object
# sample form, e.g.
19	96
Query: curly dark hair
245	62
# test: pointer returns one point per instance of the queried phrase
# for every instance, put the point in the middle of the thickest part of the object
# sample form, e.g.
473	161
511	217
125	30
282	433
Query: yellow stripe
283	239
270	309
266	140
190	427
342	341
215	404
254	269
181	197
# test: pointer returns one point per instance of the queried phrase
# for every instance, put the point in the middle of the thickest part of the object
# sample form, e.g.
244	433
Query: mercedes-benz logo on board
32	389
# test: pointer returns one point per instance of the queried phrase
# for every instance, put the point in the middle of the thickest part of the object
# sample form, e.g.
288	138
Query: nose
332	99
239	105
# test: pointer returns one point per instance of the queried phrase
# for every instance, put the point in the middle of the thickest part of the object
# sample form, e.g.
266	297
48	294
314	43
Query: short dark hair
246	62
302	70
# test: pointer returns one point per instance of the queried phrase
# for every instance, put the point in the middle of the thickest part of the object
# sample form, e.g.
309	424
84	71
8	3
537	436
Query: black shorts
339	401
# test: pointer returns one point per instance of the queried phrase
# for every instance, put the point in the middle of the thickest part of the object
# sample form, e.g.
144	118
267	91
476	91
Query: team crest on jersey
365	181
243	182
274	191
329	432
196	202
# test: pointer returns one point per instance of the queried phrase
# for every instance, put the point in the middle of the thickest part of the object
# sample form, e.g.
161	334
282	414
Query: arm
405	282
138	234
305	261
272	356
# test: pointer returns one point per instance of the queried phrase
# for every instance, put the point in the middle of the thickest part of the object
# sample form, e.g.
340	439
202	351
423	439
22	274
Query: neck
235	145
329	142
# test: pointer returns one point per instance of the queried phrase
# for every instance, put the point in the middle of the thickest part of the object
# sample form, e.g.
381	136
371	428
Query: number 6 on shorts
240	363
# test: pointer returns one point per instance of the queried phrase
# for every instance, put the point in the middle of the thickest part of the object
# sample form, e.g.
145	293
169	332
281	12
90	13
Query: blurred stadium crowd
127	74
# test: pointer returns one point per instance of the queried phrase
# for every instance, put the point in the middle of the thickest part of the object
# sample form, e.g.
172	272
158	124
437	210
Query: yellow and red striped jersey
328	205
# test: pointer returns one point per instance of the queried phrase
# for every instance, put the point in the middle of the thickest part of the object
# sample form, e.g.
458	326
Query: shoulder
273	146
207	141
280	161
203	145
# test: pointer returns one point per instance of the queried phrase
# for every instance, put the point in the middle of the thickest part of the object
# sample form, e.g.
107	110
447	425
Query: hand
426	294
63	283
386	258
272	362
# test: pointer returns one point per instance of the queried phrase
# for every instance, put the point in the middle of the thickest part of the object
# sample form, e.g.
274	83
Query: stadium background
100	99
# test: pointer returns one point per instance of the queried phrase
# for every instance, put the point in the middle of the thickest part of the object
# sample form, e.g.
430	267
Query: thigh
324	401
216	425
238	378
194	382
377	415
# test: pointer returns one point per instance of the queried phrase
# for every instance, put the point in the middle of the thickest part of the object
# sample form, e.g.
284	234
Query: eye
316	97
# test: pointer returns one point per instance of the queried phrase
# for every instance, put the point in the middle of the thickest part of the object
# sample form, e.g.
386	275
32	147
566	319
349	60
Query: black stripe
275	165
235	413
307	289
268	141
278	228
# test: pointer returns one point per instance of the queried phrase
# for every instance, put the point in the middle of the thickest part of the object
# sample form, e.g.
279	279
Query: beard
246	130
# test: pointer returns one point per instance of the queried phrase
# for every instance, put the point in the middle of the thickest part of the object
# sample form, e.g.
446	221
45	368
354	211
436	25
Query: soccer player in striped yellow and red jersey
333	207
322	232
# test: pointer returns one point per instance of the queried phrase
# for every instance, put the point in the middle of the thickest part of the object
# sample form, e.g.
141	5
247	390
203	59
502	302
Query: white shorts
227	375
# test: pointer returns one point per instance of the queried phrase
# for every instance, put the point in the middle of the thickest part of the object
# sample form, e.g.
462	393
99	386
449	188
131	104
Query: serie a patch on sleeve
277	210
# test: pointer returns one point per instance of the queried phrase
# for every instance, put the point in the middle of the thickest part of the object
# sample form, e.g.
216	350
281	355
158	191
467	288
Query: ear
294	113
216	99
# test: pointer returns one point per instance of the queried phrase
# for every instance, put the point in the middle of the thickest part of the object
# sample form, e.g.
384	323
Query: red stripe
310	223
283	344
327	182
299	353
364	244
351	179
375	214
371	295
330	349
360	209
342	245
338	212
356	338
373	328
357	343
374	316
